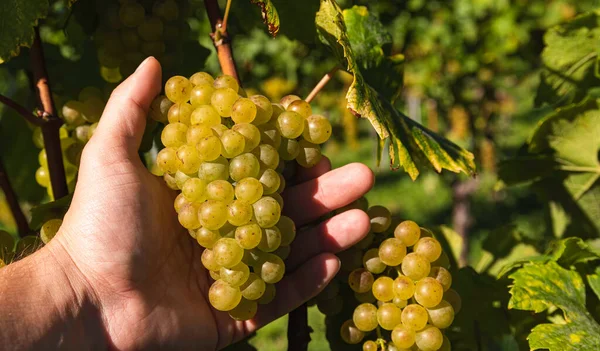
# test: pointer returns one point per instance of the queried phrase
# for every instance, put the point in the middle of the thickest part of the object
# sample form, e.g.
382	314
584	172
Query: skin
122	274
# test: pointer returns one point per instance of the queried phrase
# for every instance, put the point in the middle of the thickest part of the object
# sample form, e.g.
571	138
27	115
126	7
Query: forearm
44	305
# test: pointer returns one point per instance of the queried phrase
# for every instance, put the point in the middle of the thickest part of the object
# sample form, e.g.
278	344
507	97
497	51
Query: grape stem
31	118
52	123
225	17
298	329
326	78
221	39
13	202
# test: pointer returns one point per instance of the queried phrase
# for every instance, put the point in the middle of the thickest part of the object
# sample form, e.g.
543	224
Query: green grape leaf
269	15
538	287
50	210
570	59
296	19
412	146
594	281
17	20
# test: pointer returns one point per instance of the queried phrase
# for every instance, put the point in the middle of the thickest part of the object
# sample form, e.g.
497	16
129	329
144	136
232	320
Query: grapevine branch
13	202
326	78
298	330
221	39
20	110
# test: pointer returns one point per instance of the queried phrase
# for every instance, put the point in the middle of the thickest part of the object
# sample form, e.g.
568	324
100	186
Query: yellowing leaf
269	15
17	20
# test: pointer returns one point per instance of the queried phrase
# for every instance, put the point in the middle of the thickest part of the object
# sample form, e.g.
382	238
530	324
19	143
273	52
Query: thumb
124	118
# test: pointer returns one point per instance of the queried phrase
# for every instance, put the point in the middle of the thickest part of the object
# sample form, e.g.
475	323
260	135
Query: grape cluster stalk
399	280
225	153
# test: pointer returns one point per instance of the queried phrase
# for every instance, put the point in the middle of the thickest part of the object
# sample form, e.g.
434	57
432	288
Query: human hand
124	251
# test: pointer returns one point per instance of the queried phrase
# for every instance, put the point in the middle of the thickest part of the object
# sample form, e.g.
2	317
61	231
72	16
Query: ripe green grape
244	311
309	155
399	302
317	129
287	228
189	158
350	333
213	170
289	149
240	213
248	190
196	133
283	251
301	107
381	218
174	135
428	292
267	212
270	135
415	266
193	190
404	287
365	317
188	216
49	229
243	111
201	95
365	297
441	315
414	317
159	108
223	296
110	75
93	107
178	89
215	275
180	201
227	230
278	198
228	252
268	295
453	299
270	240
267	156
226	81
205	115
403	337
389	316
271	268
370	345
248	236
236	275
209	148
223	99
90	92
250	133
270	180
81	134
264	109
360	280
383	289
209	260
213	214
409	232
290	124
199	78
253	288
442	261
288	99
445	345
73	113
206	237
151	29
131	14
392	252
442	275
167	160
429	339
220	190
330	307
428	248
232	143
42	177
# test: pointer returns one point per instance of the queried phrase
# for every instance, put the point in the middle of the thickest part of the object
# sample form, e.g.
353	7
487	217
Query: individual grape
223	296
236	275
178	89
301	107
213	214
49	229
366	297
250	133
222	100
189	158
270	180
360	280
381	218
89	92
309	155
290	124
264	109
267	212
220	190
267	156
317	129
110	75
399	302
151	29
442	315
196	133
248	190
42	177
270	240
92	129
442	261
365	317
429	339
243	111
248	236
350	333
268	295
403	337
131	14
283	251
288	99
180	201
226	81
93	109
372	262
209	260
206	237
287	228
277	110
167	160
289	149
240	213
404	287
271	268
202	78
214	170
453	299
201	95
232	143
445	345
81	133
205	115
331	307
73	113
174	135
193	190
278	198
392	252
244	311
253	288
370	345
442	275
188	216
270	135
389	316
415	266
428	248
215	275
414	317
383	289
429	292
159	109
409	232
228	252
219	129
209	148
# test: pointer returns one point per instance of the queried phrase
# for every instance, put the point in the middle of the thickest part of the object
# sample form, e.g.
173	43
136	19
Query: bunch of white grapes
225	153
130	30
398	276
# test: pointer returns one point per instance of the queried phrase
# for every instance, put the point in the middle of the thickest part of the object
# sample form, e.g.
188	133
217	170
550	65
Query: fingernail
143	63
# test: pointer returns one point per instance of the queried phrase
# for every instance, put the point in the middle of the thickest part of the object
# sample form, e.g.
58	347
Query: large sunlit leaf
17	20
269	15
412	146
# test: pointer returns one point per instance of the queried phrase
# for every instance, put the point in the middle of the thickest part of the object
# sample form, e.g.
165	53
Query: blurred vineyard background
471	72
